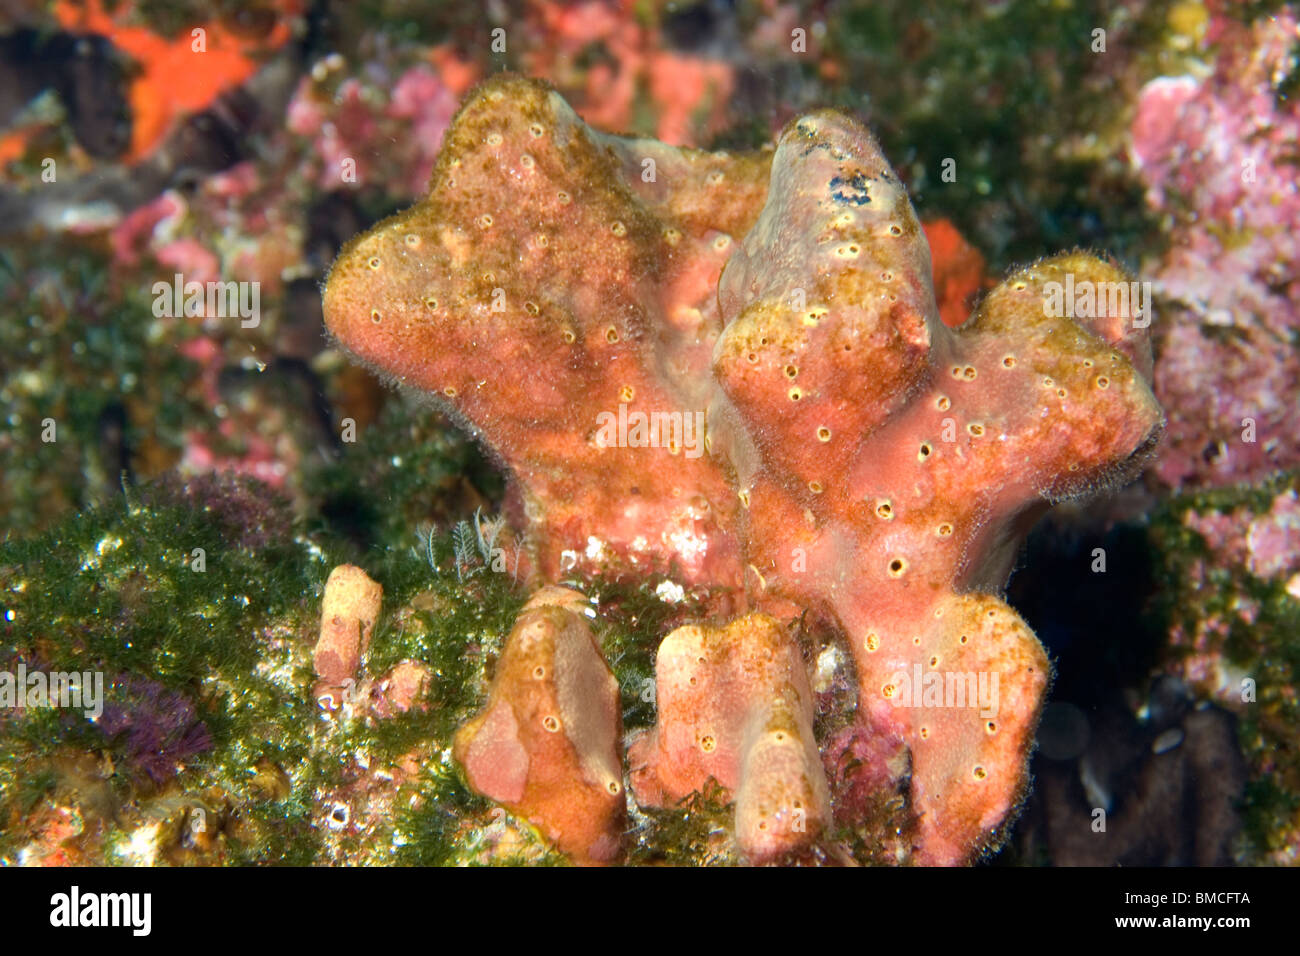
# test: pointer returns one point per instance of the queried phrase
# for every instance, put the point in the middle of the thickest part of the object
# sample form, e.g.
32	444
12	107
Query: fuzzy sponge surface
732	369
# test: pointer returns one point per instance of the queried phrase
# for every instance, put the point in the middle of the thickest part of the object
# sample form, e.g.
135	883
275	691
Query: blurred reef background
135	444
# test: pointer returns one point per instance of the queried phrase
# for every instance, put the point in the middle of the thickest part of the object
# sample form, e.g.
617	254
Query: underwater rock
1217	155
1165	791
1229	563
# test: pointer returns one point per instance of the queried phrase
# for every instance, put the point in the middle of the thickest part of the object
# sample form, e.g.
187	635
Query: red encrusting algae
182	74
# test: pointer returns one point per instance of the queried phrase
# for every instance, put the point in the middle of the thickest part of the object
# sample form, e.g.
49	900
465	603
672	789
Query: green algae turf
115	589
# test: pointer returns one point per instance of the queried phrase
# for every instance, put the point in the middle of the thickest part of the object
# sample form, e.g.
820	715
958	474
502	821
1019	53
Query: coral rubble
862	461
